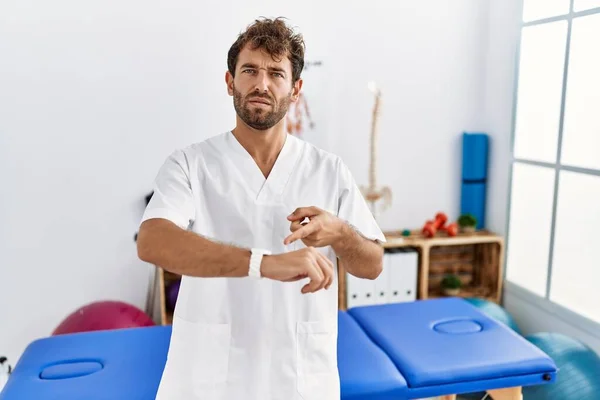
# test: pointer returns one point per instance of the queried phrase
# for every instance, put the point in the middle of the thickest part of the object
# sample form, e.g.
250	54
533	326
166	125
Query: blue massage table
426	348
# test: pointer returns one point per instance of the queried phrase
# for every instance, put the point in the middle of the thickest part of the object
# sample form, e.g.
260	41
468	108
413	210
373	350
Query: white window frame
544	303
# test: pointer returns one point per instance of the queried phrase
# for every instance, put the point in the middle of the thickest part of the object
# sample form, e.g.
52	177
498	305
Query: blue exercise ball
578	376
494	311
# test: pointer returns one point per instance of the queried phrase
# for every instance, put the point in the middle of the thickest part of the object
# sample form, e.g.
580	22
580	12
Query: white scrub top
247	338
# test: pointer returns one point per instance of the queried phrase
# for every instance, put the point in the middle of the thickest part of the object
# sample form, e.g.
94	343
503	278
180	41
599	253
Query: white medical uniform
247	338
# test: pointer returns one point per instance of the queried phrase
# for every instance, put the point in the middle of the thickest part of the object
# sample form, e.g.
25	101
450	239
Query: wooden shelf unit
477	258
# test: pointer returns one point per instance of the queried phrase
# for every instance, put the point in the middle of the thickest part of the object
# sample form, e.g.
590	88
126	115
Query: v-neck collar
265	190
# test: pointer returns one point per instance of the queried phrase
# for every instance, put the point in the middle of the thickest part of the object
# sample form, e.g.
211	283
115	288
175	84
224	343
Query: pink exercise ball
103	315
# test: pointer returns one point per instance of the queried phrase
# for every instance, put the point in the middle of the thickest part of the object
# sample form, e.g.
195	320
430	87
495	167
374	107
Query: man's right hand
307	262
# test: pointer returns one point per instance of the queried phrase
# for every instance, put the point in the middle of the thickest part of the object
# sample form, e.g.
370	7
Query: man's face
262	89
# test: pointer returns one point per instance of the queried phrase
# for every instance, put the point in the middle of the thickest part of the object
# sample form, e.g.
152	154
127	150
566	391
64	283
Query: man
255	220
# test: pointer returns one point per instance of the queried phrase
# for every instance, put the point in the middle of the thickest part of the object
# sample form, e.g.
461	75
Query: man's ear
229	82
296	90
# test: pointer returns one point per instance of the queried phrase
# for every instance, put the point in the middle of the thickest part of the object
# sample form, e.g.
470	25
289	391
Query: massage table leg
513	393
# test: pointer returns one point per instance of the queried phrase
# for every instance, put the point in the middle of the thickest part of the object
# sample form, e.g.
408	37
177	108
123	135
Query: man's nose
262	82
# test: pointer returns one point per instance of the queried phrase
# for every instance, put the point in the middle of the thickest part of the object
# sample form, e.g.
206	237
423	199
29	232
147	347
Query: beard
260	118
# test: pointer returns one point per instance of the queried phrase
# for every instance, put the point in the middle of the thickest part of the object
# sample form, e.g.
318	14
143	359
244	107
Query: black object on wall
4	364
147	198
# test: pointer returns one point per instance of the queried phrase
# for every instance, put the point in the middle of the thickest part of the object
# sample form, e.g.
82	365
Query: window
554	208
530	226
582	5
540	91
575	269
540	9
581	135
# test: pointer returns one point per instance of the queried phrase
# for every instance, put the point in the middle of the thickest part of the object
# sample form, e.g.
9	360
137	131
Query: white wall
94	95
428	56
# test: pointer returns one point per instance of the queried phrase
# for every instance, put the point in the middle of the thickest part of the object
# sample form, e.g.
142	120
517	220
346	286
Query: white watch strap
256	256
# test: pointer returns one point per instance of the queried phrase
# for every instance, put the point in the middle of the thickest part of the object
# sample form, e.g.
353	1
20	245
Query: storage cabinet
397	283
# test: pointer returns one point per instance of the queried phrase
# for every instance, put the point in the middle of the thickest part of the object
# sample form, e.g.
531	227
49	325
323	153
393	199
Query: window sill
572	318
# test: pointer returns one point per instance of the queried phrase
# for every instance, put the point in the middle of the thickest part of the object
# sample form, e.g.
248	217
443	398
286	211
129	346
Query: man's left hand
322	229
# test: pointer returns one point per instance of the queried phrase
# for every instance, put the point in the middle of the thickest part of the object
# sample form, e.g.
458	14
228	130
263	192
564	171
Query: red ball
103	315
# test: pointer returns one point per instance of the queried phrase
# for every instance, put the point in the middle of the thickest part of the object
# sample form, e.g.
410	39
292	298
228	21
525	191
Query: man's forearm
358	256
164	244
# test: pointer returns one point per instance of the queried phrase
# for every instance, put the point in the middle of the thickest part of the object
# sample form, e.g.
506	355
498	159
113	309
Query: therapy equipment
395	351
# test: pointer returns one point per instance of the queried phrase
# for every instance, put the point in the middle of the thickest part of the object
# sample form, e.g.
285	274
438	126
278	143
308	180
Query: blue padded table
385	352
366	372
447	346
102	365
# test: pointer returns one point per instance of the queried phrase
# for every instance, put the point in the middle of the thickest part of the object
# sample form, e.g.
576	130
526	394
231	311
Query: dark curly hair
277	39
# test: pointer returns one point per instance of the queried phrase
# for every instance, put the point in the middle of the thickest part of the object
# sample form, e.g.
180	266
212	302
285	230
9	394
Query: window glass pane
528	244
581	5
581	136
540	91
575	265
538	9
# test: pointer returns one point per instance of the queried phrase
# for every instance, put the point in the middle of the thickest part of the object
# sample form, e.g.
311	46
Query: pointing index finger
301	233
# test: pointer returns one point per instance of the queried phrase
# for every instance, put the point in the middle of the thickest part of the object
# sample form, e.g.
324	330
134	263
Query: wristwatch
256	256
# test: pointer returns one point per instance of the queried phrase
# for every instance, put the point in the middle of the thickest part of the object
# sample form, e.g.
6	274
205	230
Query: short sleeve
353	208
172	198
